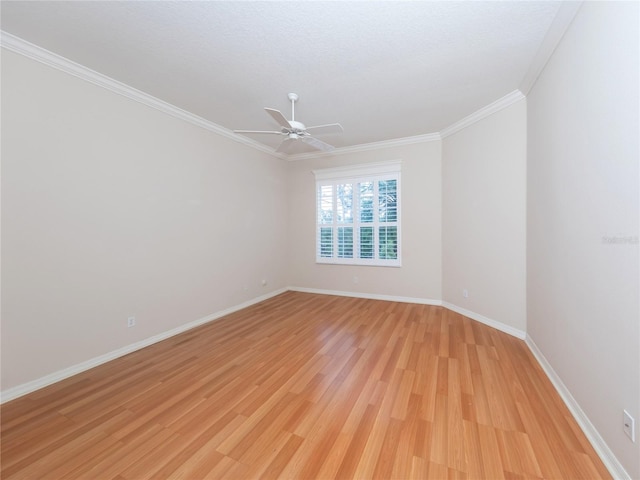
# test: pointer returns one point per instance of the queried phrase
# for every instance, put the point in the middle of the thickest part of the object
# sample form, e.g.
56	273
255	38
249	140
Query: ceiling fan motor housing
294	130
296	127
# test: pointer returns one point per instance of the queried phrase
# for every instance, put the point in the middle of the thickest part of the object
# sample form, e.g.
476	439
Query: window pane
345	242
358	215
366	202
325	204
366	242
388	243
344	194
326	242
388	200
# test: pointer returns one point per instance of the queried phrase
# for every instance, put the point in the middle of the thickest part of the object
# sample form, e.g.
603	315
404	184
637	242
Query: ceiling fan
293	130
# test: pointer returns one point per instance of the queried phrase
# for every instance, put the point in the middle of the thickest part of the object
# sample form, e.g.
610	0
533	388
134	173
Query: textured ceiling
384	70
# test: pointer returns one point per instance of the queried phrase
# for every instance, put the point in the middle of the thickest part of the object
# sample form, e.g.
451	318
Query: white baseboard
600	446
503	327
370	296
423	301
606	455
20	390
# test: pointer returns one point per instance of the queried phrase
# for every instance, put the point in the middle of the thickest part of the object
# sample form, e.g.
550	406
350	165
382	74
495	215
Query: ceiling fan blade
329	129
278	117
286	145
319	144
256	131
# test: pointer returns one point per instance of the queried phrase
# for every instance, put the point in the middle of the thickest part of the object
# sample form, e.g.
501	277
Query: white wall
110	209
420	274
583	197
484	211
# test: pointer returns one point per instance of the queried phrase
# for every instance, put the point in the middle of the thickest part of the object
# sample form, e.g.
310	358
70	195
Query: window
358	214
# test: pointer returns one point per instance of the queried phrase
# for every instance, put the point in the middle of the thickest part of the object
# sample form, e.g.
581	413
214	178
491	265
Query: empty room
318	240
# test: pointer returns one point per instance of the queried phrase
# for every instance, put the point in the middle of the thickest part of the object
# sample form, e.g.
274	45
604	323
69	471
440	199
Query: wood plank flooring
306	386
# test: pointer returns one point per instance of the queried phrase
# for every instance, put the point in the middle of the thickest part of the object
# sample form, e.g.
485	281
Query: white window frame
371	172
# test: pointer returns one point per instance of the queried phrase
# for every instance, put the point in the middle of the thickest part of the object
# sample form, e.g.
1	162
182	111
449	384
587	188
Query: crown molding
484	112
565	15
27	49
365	147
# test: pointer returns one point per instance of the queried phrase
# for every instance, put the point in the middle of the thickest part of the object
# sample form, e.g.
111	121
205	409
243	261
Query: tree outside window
358	219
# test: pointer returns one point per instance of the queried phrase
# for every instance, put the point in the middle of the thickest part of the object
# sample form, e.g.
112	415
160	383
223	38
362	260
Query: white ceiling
384	70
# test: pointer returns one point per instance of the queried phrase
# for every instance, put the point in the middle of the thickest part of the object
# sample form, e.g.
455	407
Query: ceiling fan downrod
294	130
294	98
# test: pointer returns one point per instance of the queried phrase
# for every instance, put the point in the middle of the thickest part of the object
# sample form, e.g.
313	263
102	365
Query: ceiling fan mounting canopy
293	130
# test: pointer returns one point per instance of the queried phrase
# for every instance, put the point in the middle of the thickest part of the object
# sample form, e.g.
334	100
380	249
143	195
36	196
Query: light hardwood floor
308	387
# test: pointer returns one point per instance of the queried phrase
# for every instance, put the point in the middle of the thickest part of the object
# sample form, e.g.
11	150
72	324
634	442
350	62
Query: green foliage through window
345	242
366	242
388	243
358	218
326	242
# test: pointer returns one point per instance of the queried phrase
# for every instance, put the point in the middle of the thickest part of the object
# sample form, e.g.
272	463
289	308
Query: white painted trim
32	386
423	301
484	112
556	31
503	327
602	449
600	446
42	382
365	147
370	296
359	170
22	47
565	15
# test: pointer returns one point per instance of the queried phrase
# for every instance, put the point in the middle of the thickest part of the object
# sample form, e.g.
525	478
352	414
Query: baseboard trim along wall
32	386
42	382
608	458
503	327
424	301
600	446
370	296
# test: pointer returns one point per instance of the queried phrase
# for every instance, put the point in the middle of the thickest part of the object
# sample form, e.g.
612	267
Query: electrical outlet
629	425
465	293
131	322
